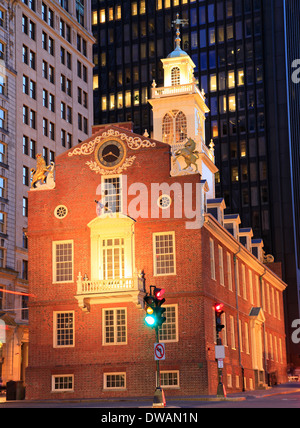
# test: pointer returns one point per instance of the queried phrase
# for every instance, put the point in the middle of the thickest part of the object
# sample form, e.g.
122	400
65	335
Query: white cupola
179	111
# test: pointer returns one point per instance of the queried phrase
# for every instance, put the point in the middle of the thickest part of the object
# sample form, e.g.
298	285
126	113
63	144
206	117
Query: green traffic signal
154	317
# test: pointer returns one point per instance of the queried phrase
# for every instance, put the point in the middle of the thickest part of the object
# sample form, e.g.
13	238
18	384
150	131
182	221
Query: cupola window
174	127
175	76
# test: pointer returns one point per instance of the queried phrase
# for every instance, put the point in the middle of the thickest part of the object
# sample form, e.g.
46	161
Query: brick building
157	223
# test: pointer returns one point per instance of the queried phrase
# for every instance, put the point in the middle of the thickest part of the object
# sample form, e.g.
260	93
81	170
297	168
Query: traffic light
149	306
159	311
218	312
154	312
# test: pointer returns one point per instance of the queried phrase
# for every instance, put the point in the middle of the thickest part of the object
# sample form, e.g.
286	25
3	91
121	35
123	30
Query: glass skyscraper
242	55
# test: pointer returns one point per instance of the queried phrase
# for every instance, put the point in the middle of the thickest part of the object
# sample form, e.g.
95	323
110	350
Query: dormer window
175	76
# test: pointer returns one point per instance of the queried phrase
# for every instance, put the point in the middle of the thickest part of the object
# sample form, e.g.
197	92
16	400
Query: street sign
220	364
159	351
219	352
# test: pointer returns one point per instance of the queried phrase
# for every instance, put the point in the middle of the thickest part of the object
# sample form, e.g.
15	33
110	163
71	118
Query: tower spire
177	24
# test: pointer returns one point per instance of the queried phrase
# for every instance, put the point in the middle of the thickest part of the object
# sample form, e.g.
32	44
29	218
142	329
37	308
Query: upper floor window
113	258
80	11
175	76
164	253
174	127
2	50
63	261
2	18
112	189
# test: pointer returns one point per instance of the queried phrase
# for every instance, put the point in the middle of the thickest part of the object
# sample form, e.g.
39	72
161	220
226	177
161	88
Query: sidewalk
287	388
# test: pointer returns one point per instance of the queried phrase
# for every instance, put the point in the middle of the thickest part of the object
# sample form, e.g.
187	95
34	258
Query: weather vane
177	24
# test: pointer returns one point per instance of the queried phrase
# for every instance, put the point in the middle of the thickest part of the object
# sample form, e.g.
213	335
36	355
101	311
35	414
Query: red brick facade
105	348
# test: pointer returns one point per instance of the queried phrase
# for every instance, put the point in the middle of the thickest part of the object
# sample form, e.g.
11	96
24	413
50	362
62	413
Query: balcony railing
189	88
88	287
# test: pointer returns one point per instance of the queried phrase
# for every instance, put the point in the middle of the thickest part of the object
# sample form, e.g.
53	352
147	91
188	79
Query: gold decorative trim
86	148
133	143
95	167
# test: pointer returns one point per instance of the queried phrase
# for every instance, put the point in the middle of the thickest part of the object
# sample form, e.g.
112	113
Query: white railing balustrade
190	88
86	286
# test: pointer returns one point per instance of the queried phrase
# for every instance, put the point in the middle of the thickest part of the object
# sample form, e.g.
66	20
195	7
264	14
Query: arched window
181	127
167	129
174	127
175	76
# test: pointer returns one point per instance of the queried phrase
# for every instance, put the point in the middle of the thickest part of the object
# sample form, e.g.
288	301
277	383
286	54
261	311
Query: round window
61	211
164	202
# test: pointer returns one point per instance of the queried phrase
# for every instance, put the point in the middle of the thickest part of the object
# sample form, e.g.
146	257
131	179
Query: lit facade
246	77
158	223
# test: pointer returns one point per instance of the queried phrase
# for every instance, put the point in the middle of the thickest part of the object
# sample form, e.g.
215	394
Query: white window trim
154	253
212	258
221	265
122	201
105	387
55	345
54	243
176	325
61	390
115	343
178	378
229	272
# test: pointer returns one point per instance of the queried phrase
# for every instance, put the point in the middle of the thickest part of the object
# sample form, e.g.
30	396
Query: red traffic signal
159	293
219	307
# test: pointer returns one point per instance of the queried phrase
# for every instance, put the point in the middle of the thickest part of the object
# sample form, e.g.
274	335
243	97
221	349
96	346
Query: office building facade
239	52
46	108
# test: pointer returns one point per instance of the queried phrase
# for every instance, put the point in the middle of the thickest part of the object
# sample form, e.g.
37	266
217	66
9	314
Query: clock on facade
110	154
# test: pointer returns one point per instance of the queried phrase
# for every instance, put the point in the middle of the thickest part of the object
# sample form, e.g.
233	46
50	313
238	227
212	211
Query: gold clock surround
110	153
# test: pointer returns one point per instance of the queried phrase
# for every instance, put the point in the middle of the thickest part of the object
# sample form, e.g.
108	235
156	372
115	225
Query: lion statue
40	173
189	154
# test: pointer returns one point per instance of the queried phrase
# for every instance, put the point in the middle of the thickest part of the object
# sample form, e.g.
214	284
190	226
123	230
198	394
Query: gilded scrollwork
118	170
133	143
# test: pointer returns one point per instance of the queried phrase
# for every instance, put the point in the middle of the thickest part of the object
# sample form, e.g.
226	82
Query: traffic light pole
159	396
220	389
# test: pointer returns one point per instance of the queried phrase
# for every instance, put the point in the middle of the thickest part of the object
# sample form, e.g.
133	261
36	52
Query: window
164	253
25	207
114	381
212	258
113	258
169	379
221	265
3	187
229	272
3	118
3	153
232	332
114	326
112	194
63	261
174	127
169	331
62	383
24	310
3	218
63	323
175	76
25	175
2	18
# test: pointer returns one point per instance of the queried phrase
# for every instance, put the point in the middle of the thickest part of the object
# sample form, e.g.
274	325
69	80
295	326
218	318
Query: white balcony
110	290
189	88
